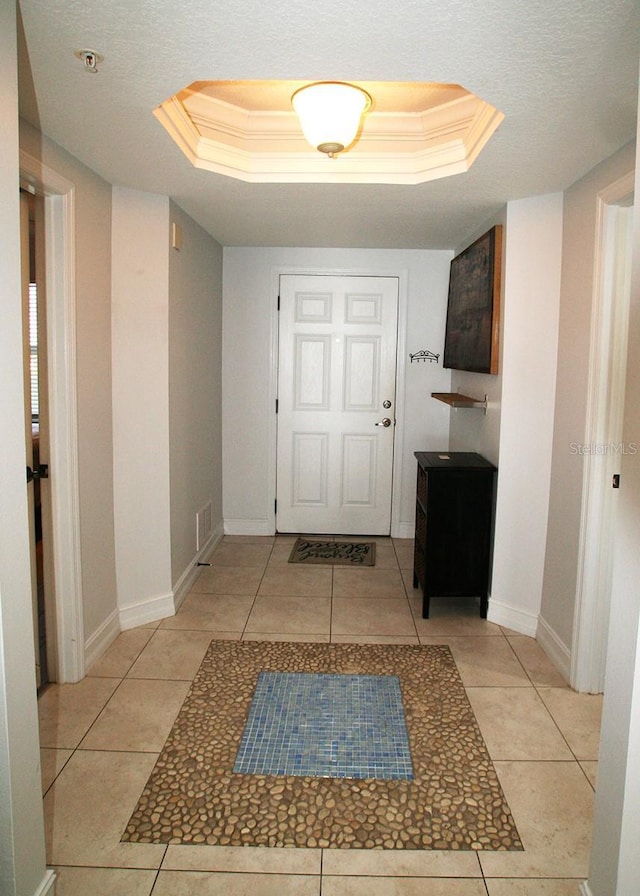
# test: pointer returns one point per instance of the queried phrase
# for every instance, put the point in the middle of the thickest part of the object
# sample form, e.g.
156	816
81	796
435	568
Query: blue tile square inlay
326	726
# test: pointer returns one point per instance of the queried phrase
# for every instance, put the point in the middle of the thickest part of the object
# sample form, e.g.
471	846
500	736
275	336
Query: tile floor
100	738
325	725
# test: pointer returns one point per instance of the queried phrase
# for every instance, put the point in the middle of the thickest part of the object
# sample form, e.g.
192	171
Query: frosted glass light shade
330	113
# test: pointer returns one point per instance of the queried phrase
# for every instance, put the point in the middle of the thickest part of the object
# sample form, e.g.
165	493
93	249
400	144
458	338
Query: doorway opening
607	373
37	432
55	247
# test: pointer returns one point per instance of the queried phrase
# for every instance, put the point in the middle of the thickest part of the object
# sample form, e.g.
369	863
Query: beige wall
167	396
532	296
615	858
190	345
516	431
22	854
93	360
140	321
250	364
577	291
195	388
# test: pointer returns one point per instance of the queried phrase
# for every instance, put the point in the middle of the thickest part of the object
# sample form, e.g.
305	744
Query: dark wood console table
454	511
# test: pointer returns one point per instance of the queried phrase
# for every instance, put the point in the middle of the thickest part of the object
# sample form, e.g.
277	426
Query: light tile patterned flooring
100	738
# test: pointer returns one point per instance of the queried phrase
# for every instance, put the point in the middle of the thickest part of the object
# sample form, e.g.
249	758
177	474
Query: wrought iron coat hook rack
424	355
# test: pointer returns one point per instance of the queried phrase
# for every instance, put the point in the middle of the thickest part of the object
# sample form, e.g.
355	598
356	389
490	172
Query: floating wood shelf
457	400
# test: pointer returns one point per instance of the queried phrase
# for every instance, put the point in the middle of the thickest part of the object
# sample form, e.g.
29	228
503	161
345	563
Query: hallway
101	737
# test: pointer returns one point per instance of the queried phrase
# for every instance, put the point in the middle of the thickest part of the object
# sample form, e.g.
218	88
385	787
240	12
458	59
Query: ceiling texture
564	73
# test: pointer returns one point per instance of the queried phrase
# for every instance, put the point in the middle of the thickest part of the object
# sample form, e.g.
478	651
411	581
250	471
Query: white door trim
398	452
59	193
605	408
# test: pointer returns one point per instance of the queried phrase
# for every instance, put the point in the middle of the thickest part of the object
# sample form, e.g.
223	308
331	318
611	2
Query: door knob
384	422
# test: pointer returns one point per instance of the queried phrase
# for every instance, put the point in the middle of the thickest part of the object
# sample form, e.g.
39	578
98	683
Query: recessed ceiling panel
415	132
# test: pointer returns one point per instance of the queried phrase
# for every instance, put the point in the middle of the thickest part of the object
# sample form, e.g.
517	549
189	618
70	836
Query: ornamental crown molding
226	128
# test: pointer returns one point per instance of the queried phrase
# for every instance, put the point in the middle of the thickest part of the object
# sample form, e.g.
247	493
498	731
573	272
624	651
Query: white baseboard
263	527
214	540
149	610
512	617
101	639
404	530
47	885
188	577
248	527
585	889
555	648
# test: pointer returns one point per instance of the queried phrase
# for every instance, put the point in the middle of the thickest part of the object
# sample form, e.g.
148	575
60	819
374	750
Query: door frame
398	446
604	409
67	658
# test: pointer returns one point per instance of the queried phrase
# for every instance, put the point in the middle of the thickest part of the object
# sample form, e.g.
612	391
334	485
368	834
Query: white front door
336	404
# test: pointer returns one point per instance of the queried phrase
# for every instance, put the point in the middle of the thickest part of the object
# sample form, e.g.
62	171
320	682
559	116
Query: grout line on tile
87	732
156	878
116	867
331	604
136	752
60	770
517	658
562	735
582	769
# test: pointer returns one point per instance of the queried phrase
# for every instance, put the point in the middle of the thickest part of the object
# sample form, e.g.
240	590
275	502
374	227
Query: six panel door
336	404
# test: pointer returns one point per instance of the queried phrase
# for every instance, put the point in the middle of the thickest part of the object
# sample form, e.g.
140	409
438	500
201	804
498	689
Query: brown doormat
453	802
336	553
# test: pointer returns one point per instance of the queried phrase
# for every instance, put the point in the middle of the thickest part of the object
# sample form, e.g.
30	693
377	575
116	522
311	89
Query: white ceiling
564	73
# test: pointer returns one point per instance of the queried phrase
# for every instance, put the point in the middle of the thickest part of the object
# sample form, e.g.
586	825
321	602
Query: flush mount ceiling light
330	113
249	130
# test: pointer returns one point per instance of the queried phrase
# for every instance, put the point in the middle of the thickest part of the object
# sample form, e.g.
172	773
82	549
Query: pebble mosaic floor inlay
326	725
453	801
